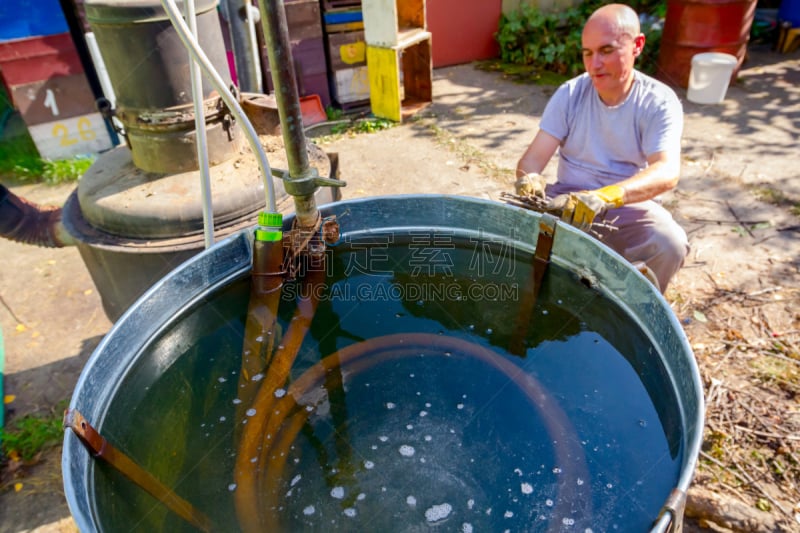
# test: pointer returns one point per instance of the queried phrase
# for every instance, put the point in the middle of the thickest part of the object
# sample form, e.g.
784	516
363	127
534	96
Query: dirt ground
738	295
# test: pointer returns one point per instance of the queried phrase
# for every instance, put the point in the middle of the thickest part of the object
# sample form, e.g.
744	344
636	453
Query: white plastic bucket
708	80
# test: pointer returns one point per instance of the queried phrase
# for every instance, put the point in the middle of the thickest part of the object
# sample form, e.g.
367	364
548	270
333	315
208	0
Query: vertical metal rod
246	56
255	55
276	34
200	131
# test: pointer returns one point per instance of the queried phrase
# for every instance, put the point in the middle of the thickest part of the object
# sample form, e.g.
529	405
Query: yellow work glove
581	208
531	184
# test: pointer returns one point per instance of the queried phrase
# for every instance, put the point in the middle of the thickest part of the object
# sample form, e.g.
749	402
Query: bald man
617	132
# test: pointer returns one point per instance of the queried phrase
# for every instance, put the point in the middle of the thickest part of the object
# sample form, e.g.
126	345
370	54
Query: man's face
608	57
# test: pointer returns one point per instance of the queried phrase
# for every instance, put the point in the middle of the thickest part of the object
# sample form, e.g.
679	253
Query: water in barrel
416	401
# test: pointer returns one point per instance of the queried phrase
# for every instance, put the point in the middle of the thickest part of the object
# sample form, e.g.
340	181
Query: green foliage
366	125
334	113
552	41
19	160
31	434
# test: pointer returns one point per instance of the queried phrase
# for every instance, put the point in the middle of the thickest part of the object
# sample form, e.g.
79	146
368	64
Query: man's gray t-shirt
601	145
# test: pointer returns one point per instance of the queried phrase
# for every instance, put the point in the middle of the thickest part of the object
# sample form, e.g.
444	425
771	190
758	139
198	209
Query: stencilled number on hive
68	137
84	132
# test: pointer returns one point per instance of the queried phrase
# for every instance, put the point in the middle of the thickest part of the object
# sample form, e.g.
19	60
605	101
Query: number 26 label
85	132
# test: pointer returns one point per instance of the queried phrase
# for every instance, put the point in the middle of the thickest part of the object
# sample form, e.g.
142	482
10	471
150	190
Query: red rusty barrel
696	26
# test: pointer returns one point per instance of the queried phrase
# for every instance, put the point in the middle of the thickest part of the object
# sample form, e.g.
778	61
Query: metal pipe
233	105
200	132
246	56
276	34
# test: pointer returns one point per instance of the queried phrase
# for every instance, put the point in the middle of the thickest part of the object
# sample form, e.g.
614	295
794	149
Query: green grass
26	437
20	161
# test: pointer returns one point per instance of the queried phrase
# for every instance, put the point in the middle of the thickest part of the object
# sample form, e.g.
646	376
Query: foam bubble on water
423	413
390	405
460	406
428	438
232	487
488	331
556	470
406	450
588	530
221	379
439	512
488	511
369	465
295	480
471	327
412	374
518	472
568	521
309	408
526	488
236	401
409	427
383	438
257	377
254	459
350	512
260	338
361	496
280	393
309	510
250	412
609	486
548	502
508	514
545	312
466	527
411	501
374	446
337	492
422	460
579	481
470	504
222	419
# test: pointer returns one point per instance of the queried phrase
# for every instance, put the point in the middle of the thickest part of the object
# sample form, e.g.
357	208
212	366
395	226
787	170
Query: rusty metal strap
675	506
530	293
100	448
544	247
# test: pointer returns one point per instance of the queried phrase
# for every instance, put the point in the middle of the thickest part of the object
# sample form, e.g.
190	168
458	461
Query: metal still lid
117	197
128	11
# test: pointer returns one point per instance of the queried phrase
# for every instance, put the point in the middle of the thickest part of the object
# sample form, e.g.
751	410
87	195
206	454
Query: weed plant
26	437
552	41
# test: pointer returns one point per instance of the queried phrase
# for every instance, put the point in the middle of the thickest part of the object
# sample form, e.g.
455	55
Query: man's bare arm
661	175
538	154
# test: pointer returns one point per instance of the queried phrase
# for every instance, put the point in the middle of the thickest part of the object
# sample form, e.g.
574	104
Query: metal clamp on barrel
673	511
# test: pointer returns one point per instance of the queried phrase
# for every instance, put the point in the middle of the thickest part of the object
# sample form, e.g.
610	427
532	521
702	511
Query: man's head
611	41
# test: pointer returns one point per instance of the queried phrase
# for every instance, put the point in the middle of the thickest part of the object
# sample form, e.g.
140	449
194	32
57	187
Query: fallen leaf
8	398
700	317
20	328
17	487
87	292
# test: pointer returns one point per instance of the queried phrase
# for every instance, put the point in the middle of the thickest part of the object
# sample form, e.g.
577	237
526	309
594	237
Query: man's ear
638	44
